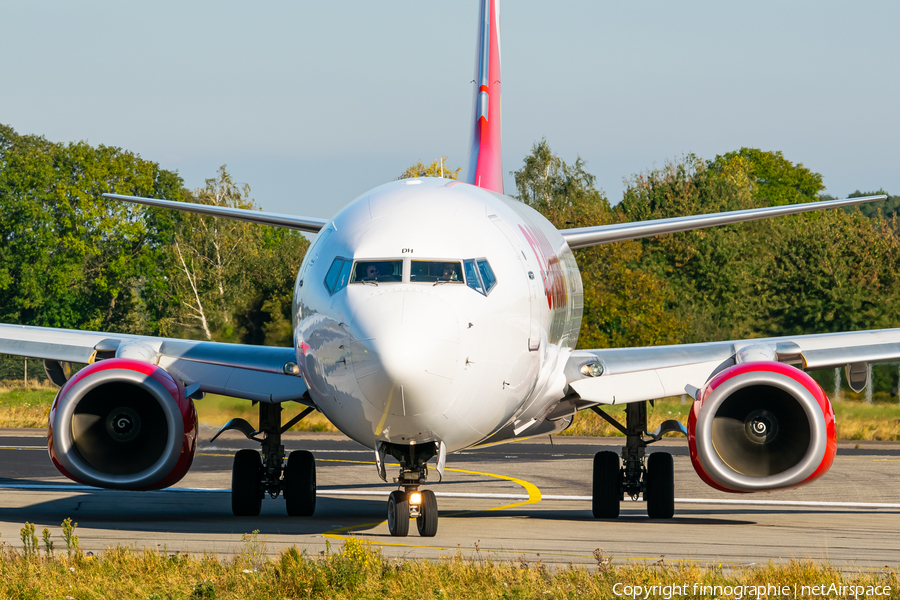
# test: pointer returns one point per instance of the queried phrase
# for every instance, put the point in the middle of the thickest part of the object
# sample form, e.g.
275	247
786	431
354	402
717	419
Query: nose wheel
409	502
406	505
398	514
427	521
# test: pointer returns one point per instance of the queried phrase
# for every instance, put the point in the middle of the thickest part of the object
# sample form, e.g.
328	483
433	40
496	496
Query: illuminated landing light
592	370
415	498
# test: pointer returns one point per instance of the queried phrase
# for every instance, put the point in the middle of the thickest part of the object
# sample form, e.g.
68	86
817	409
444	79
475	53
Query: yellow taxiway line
534	496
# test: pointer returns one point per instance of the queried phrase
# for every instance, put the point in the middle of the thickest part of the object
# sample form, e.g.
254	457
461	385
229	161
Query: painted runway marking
532	497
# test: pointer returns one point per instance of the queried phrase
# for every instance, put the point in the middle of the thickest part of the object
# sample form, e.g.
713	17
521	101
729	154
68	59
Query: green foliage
437	168
68	534
69	258
17	367
775	180
888	209
128	573
233	280
48	543
625	304
810	273
29	540
782	276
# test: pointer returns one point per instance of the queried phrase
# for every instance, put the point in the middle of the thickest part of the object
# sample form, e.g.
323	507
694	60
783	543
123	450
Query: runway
523	501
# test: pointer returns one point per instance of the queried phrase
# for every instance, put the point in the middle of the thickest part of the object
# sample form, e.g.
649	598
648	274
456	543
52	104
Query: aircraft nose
405	351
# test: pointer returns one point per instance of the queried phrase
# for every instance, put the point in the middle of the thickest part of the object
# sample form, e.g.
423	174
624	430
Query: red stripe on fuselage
548	262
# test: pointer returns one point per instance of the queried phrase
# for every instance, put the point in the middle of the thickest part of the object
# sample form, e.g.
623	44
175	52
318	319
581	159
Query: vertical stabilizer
485	167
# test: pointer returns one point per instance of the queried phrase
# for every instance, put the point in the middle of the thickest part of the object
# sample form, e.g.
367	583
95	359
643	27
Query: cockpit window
338	274
377	271
487	275
472	279
435	272
479	275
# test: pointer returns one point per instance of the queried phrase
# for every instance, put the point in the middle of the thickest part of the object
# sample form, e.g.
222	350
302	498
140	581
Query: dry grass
25	406
356	571
589	423
217	410
29	406
856	420
22	406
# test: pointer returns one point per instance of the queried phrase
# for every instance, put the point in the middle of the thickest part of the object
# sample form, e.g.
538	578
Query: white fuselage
408	359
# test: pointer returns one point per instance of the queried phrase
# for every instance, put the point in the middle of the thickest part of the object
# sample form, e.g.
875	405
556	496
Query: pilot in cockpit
371	273
449	273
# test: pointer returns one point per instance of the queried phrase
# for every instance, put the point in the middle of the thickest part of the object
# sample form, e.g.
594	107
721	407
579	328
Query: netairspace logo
755	592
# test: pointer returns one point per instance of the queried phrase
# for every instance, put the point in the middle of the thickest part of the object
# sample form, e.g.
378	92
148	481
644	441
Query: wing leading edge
250	372
653	372
307	224
582	237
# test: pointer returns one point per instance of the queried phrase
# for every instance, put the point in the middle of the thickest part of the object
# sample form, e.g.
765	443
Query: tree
69	258
775	180
437	168
772	277
885	208
624	304
227	274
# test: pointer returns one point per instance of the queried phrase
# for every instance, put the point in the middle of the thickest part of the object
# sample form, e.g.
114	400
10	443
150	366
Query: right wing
259	373
307	224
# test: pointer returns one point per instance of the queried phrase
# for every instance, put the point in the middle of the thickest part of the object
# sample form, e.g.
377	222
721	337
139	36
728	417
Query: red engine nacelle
122	423
761	426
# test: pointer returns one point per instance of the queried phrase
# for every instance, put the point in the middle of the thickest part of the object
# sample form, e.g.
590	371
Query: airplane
432	315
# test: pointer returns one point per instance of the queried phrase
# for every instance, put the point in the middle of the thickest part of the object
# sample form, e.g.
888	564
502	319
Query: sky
313	103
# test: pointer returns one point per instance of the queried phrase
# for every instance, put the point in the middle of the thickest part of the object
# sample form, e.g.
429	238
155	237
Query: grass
355	570
856	420
22	406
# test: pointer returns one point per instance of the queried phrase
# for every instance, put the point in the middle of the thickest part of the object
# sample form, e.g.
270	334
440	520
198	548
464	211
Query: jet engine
761	426
123	423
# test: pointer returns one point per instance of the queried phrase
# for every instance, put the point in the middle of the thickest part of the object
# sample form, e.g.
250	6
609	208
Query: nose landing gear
254	475
410	502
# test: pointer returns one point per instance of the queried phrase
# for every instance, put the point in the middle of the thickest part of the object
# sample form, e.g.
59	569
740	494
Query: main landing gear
638	473
254	475
410	502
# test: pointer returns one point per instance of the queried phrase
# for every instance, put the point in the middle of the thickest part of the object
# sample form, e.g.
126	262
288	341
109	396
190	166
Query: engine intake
125	424
761	426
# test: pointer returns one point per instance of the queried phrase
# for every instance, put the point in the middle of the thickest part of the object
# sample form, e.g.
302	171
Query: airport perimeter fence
17	368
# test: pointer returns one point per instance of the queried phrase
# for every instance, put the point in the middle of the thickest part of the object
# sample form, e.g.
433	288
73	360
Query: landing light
592	370
291	368
415	498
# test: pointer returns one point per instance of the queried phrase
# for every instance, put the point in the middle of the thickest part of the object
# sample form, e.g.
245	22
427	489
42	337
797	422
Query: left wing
622	375
260	373
582	237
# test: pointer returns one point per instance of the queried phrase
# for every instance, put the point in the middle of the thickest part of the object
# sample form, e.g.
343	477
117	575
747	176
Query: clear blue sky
313	103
